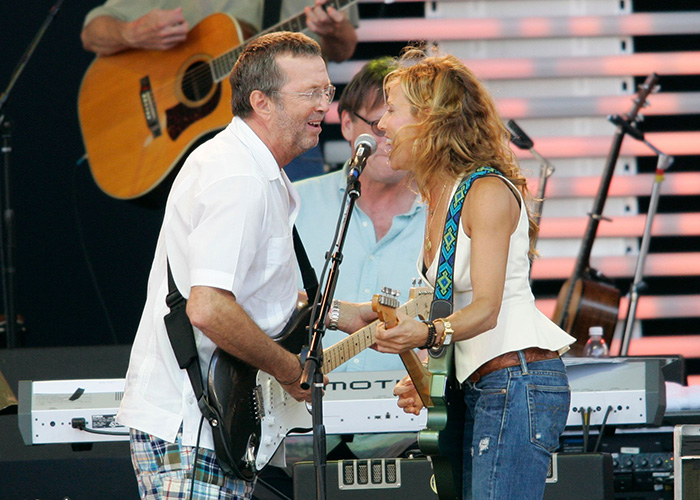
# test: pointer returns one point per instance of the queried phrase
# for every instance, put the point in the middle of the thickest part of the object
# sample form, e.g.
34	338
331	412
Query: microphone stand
7	232
312	375
663	163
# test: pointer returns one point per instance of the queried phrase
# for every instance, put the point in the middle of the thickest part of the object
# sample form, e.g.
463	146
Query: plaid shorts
164	471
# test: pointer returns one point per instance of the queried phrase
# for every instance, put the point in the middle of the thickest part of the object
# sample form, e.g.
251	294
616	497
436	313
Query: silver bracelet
334	315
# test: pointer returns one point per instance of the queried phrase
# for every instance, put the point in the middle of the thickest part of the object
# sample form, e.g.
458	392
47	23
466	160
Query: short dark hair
365	88
256	68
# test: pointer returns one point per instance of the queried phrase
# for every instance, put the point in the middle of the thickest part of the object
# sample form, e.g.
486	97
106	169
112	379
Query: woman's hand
409	400
409	333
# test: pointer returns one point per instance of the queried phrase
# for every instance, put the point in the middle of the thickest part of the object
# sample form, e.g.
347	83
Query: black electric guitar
255	412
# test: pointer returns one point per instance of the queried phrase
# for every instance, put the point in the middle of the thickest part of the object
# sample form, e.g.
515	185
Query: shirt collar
259	150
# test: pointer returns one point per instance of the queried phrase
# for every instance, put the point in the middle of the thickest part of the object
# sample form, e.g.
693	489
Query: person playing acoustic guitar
119	25
227	237
442	126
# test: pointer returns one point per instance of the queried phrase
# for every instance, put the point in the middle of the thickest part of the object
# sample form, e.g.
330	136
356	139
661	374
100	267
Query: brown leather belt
532	354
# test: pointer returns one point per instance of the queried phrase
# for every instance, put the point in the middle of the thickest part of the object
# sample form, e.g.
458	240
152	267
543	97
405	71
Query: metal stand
663	163
312	375
8	230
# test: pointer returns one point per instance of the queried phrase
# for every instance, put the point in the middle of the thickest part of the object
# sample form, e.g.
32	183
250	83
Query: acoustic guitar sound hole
197	81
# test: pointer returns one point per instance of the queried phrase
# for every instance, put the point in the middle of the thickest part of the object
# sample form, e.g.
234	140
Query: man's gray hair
256	68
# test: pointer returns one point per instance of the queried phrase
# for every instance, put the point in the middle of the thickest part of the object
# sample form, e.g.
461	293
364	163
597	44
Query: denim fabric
514	419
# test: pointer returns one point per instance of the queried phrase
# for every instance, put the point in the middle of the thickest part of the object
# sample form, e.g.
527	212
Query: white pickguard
280	413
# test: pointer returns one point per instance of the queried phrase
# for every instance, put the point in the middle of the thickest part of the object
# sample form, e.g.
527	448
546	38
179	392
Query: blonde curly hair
458	127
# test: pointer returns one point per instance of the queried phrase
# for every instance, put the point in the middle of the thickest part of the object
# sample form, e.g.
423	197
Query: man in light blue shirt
386	227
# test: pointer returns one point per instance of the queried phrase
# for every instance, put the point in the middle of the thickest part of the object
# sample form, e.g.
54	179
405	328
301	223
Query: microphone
365	146
517	136
630	129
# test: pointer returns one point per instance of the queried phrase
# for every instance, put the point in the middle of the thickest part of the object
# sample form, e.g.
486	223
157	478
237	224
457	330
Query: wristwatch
334	315
447	335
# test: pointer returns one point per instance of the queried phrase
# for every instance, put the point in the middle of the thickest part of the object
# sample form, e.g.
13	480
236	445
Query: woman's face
397	115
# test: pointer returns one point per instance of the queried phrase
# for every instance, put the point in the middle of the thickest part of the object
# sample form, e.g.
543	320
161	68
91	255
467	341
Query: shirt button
190	400
356	361
371	257
364	224
367	290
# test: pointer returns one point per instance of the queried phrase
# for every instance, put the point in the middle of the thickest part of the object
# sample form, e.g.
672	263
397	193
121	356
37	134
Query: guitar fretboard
339	353
221	66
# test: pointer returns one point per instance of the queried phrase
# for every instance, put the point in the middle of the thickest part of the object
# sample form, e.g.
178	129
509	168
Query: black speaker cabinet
580	476
370	479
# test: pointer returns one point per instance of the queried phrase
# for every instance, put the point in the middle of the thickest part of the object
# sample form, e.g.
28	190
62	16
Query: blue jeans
514	419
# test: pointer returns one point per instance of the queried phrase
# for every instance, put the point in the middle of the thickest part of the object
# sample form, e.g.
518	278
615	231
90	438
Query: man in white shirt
227	236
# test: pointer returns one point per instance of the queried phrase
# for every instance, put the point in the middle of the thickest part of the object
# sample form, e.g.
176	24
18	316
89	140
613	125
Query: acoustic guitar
142	111
585	299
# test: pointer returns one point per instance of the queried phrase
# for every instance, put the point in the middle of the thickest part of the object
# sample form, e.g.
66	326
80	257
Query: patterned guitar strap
450	439
442	296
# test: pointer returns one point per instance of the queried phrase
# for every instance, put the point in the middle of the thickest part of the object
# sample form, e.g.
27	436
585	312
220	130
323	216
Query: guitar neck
221	66
353	344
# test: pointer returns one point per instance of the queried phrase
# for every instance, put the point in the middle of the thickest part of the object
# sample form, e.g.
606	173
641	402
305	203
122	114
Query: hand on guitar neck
414	389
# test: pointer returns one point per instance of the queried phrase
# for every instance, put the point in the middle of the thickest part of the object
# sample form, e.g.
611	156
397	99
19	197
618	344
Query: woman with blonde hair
443	127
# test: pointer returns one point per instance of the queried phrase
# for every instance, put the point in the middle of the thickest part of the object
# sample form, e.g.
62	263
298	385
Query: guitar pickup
148	102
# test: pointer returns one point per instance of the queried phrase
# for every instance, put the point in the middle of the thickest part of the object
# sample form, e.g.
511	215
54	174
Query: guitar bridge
148	102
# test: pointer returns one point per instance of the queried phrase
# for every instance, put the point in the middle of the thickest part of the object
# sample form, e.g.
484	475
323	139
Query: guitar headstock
385	304
422	297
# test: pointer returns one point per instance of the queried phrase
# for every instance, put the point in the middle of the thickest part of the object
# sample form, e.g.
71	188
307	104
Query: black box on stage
370	479
580	476
572	476
686	461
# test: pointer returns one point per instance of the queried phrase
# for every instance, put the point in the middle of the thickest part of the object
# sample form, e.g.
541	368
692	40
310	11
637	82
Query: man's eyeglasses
316	95
373	125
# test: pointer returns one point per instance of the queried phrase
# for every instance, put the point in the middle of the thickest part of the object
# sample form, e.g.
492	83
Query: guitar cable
196	456
602	428
86	254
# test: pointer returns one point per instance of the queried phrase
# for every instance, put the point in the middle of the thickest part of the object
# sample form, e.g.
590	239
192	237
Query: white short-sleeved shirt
228	224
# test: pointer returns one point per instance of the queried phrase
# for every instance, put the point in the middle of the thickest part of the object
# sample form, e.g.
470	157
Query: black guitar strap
271	13
181	335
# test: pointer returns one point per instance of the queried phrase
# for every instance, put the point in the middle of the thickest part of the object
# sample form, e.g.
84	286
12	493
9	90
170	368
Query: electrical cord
602	428
81	425
88	260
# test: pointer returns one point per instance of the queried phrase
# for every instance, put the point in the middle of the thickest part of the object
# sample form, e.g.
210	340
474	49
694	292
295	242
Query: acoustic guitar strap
272	10
448	464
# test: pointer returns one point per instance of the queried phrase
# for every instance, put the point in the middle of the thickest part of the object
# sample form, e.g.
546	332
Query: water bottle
595	346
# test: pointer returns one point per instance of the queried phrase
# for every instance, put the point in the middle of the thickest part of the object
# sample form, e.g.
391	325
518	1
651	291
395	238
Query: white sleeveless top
520	324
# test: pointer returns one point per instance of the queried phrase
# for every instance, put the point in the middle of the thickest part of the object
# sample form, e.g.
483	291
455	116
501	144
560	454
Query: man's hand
338	36
157	30
322	20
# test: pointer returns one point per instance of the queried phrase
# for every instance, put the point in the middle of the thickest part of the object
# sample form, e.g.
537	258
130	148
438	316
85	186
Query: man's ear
347	126
261	103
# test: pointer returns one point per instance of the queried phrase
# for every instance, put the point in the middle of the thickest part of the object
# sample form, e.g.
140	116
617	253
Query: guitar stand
312	376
